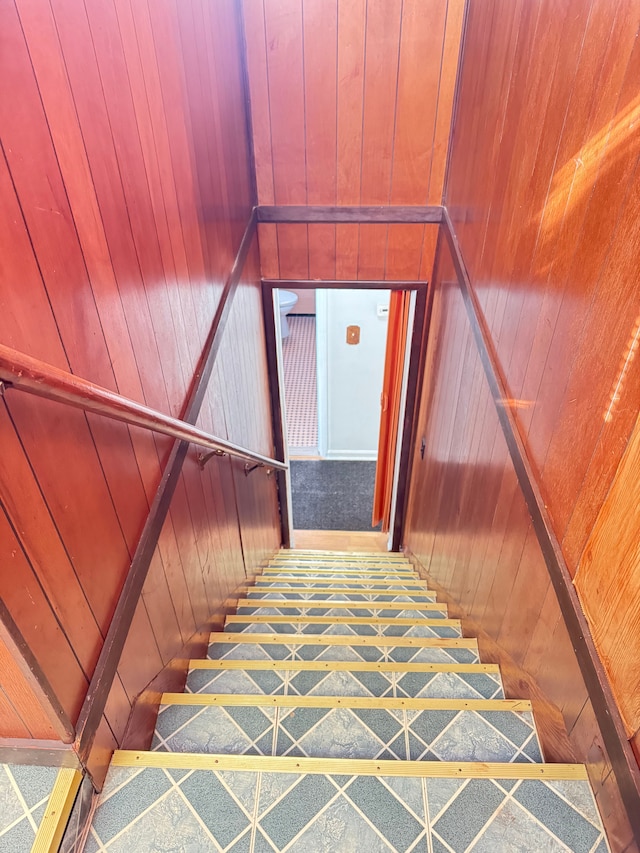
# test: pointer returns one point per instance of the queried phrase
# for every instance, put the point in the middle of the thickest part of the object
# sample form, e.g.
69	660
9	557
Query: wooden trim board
343	213
348	583
277	406
56	815
340	766
349	556
325	640
270	284
38	753
234	700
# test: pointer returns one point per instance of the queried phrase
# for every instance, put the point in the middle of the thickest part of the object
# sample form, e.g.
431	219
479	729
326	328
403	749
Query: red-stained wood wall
351	104
125	188
542	191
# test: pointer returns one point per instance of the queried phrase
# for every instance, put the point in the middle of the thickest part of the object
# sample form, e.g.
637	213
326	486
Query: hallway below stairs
342	710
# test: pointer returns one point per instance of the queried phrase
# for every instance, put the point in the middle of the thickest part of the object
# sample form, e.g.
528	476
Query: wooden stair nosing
227	637
259	700
340	766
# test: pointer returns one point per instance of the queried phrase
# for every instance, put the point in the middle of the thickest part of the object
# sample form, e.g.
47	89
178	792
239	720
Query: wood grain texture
468	524
125	188
222	525
608	583
554	275
359	113
541	189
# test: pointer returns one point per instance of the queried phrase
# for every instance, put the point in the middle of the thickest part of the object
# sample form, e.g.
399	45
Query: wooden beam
623	762
341	284
105	671
358	214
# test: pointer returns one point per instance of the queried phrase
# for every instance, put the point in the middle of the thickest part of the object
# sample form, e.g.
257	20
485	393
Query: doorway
332	366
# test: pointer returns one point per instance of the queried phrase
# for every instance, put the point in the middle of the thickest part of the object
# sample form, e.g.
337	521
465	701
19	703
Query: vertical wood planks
608	583
125	188
541	186
360	115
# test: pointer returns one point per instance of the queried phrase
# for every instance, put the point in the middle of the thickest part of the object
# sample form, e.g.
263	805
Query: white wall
350	376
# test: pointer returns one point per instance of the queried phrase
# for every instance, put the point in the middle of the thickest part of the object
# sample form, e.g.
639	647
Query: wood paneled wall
222	525
542	191
351	104
468	525
125	188
608	583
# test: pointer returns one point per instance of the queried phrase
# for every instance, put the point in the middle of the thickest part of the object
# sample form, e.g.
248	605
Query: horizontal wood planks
125	189
351	104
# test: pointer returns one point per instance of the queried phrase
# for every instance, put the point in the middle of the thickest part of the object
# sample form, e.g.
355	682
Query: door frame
408	417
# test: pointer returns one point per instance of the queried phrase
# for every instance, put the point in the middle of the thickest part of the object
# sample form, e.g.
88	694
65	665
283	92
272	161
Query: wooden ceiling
351	104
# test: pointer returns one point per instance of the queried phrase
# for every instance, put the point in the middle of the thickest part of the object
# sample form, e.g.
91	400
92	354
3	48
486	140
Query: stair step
294	553
348	727
345	625
302	678
341	606
236	646
305	804
327	571
378	566
348	584
337	595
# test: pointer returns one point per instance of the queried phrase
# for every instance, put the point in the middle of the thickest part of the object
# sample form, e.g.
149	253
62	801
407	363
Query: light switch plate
353	334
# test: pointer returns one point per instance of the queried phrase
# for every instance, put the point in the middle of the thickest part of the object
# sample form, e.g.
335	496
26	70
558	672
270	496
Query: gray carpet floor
332	495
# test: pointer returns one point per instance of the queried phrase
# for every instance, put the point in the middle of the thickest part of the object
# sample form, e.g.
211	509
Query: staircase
342	710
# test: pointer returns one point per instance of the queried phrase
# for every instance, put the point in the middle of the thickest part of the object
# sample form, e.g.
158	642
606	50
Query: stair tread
349	727
278	580
282	647
302	678
331	599
333	693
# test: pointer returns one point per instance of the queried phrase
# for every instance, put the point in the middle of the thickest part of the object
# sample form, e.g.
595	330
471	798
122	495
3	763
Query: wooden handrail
24	373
